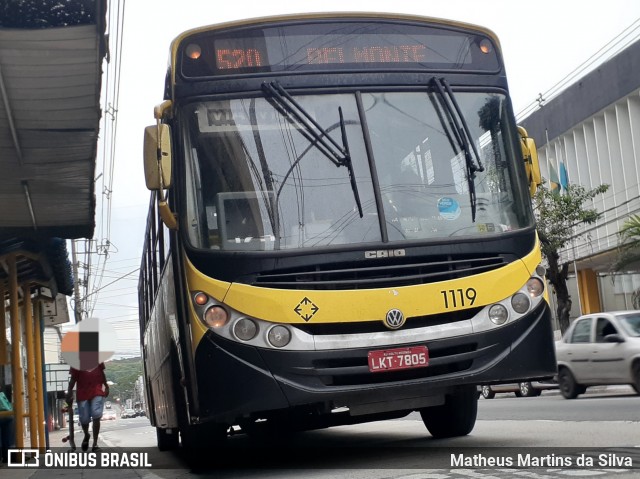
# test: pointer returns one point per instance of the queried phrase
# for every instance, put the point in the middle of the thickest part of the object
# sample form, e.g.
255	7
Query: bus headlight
520	303
216	317
279	336
498	314
535	287
245	329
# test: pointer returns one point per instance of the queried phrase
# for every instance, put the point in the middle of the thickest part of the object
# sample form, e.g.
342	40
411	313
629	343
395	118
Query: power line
614	46
93	274
114	281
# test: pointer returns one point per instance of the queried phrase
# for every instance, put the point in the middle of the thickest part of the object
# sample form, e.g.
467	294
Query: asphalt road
603	421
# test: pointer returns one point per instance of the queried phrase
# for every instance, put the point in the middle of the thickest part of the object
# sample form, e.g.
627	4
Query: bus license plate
400	358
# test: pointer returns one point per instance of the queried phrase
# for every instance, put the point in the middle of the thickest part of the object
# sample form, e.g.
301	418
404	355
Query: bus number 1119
458	298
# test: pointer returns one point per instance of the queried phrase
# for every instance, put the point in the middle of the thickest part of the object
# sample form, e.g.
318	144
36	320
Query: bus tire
168	439
456	417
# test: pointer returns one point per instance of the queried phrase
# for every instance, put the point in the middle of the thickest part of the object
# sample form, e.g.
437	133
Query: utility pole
77	309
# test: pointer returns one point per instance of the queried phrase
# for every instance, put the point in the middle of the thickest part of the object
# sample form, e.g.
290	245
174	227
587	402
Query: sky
542	42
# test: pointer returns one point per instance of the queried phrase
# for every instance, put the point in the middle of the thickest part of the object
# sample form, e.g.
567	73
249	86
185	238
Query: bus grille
383	273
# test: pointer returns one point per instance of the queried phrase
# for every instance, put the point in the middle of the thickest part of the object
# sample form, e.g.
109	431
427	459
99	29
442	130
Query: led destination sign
334	46
238	58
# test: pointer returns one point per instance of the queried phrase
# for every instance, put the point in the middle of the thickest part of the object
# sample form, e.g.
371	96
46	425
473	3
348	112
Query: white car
128	413
522	389
108	415
599	349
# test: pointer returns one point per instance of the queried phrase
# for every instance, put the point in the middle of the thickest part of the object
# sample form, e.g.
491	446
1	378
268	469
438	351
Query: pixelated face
88	344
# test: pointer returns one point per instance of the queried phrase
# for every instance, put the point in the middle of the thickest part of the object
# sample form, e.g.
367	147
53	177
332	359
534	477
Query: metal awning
50	81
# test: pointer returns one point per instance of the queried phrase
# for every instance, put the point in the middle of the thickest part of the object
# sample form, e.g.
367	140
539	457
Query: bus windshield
257	180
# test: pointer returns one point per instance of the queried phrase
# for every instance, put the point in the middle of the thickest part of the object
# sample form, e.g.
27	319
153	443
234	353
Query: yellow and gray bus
340	229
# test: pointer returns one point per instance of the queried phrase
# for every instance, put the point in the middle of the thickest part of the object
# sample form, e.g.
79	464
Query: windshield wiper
315	134
463	136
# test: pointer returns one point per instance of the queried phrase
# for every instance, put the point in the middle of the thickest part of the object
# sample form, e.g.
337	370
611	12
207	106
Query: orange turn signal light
200	299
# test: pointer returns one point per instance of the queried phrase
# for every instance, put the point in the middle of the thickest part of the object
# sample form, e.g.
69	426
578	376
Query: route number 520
458	298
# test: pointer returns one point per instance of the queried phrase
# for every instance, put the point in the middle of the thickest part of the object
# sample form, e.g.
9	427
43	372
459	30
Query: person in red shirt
90	394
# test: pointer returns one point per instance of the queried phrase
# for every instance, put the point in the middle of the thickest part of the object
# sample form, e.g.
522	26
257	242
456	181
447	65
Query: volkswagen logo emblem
394	319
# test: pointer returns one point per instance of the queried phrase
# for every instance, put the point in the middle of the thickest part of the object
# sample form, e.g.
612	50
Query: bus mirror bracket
168	216
531	163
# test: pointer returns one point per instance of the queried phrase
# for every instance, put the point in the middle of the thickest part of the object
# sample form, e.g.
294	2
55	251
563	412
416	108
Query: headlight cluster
231	324
521	301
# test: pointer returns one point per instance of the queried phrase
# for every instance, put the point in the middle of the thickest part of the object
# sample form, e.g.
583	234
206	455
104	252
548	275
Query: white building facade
590	135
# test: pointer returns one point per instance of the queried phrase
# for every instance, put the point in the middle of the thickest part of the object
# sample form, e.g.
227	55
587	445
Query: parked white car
523	389
599	349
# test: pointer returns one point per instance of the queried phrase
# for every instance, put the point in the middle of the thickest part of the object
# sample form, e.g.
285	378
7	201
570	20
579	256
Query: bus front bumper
236	380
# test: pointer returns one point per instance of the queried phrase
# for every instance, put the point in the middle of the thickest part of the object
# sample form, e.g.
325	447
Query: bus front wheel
456	417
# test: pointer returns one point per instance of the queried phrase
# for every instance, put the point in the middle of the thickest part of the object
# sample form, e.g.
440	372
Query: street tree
629	244
629	250
557	216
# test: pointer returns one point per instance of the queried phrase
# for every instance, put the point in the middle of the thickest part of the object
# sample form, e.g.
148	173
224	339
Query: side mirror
157	168
157	156
613	338
532	165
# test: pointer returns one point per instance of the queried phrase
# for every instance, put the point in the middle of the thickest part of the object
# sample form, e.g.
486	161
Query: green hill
123	373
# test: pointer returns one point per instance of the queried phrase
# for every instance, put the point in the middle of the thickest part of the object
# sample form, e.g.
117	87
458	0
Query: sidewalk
55	443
